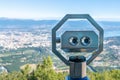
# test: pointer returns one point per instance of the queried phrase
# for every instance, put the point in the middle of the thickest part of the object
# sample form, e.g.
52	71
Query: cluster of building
16	39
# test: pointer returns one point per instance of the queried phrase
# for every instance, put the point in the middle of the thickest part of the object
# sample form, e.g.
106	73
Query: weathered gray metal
77	66
79	41
77	16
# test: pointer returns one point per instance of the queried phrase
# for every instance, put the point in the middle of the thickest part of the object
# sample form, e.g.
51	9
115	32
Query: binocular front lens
85	41
73	41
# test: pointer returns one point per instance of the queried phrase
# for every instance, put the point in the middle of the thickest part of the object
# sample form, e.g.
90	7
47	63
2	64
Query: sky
55	9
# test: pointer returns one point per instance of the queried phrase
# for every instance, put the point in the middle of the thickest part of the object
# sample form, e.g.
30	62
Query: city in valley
15	39
22	44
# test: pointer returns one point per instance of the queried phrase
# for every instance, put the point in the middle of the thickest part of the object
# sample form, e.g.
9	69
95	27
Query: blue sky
52	9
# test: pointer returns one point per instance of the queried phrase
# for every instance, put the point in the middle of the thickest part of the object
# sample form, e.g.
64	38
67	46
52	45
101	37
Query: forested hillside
45	71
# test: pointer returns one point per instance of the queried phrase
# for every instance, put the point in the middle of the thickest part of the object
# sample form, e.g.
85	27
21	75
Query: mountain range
4	22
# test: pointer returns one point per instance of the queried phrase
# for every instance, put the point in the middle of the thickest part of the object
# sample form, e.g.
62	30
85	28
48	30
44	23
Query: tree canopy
45	71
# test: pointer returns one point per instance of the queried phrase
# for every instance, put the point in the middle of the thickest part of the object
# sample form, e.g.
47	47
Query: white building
3	69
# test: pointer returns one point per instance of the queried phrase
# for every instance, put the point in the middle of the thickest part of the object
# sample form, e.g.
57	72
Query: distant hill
5	22
24	23
113	41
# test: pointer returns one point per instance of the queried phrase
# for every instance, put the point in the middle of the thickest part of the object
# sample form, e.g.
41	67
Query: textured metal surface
77	16
77	69
77	66
78	45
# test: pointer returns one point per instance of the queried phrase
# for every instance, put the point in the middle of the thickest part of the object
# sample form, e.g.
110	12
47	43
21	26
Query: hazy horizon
59	18
47	9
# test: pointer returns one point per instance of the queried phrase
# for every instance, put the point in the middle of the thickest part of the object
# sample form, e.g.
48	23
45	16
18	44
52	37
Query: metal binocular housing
79	41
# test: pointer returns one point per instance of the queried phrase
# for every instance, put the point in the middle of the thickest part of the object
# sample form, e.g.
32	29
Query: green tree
45	71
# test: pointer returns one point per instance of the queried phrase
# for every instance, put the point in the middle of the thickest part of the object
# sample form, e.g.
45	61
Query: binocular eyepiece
85	41
73	41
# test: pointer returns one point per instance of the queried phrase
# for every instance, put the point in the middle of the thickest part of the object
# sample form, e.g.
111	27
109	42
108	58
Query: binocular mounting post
77	68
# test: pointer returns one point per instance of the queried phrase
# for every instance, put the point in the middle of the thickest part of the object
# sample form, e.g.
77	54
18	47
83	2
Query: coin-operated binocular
78	41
